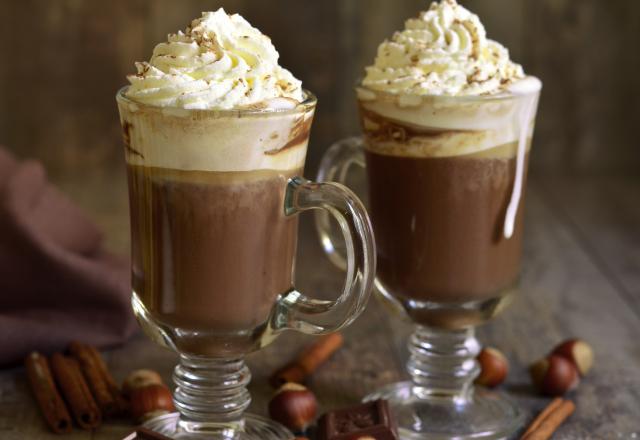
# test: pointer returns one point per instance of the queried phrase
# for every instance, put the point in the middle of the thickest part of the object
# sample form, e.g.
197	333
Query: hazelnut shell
494	367
150	401
554	375
139	379
294	406
578	352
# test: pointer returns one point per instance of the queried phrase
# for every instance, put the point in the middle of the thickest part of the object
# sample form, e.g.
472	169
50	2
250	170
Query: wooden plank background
62	62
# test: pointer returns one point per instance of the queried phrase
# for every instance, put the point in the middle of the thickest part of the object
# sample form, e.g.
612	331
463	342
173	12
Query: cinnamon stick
44	389
308	361
551	407
76	391
115	389
102	385
547	425
106	375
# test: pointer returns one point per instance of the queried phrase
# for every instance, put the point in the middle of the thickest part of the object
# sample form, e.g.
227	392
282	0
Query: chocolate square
370	420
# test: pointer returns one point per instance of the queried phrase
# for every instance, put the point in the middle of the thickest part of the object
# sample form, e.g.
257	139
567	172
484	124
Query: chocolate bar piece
369	421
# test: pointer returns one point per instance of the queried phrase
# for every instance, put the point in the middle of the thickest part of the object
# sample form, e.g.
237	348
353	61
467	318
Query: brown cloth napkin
57	283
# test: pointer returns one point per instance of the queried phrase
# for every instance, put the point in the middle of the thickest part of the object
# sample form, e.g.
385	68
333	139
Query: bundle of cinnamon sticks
76	384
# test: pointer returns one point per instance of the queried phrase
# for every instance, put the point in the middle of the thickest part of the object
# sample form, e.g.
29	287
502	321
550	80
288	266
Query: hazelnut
151	401
139	379
294	406
493	367
578	352
554	375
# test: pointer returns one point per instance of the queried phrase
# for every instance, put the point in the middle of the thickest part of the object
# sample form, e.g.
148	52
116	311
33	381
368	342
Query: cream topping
445	51
219	62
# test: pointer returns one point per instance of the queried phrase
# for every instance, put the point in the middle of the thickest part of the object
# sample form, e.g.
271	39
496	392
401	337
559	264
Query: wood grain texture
566	291
604	214
584	52
565	294
60	72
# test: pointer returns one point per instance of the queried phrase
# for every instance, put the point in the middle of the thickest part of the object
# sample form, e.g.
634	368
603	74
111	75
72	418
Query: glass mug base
485	415
254	428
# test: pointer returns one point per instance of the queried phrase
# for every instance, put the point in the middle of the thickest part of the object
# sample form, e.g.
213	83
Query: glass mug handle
296	311
334	167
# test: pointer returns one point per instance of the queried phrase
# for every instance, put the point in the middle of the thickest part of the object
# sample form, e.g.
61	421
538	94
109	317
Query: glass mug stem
442	363
197	380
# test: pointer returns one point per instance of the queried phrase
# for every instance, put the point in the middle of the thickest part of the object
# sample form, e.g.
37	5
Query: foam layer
432	126
214	141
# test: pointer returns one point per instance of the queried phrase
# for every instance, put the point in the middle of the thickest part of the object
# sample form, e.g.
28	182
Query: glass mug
214	197
446	178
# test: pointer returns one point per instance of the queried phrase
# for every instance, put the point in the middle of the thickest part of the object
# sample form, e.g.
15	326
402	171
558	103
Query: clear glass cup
446	178
214	198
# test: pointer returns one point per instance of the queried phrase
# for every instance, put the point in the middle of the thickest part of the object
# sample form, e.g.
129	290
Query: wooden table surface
581	277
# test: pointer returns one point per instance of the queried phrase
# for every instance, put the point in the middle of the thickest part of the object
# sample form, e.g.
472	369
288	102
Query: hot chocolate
438	224
212	247
211	250
447	120
441	175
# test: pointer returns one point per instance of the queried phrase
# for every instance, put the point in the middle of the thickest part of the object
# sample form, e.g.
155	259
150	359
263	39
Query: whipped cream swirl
443	52
219	62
